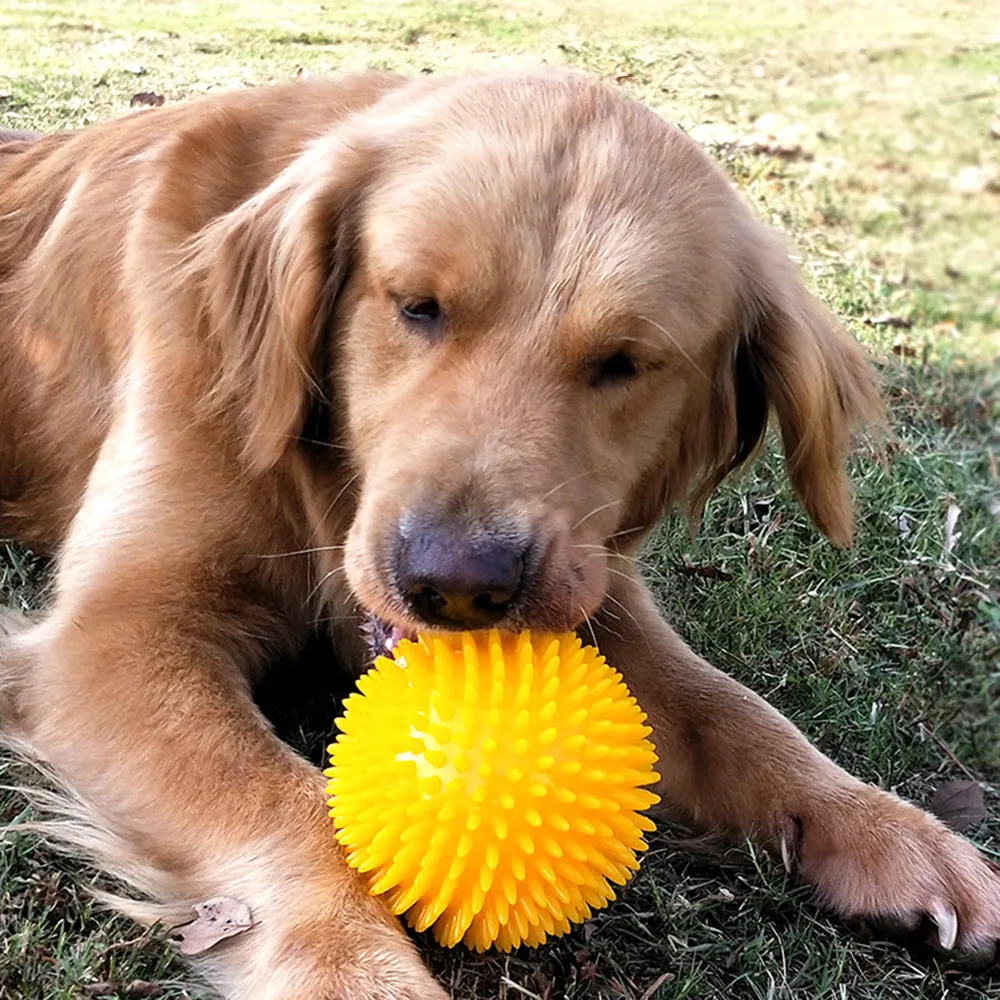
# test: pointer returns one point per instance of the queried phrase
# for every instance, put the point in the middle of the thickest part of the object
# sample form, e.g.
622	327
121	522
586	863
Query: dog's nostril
494	599
426	597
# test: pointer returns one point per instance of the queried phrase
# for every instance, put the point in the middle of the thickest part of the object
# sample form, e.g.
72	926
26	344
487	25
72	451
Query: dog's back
66	205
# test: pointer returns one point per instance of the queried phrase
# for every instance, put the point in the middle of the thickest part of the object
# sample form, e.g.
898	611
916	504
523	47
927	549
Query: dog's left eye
421	311
617	367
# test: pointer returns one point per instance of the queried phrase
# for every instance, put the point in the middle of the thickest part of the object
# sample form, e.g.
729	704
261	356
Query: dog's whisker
324	444
325	619
333	503
301	552
596	510
566	482
340	568
623	533
617	618
622	574
612	555
590	625
614	600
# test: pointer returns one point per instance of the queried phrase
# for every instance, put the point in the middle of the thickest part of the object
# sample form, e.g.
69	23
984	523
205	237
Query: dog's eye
618	367
421	311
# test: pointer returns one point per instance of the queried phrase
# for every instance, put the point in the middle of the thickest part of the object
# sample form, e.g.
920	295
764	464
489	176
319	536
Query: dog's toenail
789	842
947	924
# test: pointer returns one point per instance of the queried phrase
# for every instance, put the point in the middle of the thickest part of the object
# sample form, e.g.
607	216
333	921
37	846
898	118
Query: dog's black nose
459	578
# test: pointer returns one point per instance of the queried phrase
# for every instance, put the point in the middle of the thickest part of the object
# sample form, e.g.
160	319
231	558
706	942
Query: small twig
142	939
976	95
520	989
971	775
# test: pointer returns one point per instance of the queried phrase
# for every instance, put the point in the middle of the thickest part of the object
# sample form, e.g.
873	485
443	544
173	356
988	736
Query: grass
888	656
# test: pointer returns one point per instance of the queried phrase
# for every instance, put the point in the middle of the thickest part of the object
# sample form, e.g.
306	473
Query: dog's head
542	315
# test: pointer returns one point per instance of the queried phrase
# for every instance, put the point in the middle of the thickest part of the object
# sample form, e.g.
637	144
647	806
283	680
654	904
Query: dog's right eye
424	311
616	368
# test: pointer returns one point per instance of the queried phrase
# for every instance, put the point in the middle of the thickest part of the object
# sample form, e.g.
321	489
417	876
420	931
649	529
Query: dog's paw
374	963
882	862
316	933
339	959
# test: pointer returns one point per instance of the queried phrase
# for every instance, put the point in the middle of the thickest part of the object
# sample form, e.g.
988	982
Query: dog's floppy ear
272	269
792	358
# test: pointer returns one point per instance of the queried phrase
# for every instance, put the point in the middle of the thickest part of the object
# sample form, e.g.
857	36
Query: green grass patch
888	656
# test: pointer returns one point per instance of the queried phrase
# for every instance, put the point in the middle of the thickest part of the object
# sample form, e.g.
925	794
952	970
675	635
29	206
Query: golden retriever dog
438	352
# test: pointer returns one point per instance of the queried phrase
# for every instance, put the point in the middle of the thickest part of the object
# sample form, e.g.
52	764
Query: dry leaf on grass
976	180
715	134
101	989
706	571
218	919
146	99
775	135
951	536
888	319
959	804
138	989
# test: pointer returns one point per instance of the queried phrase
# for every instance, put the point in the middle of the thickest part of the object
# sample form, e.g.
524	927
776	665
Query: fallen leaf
887	319
951	536
99	989
714	134
959	804
775	135
976	180
217	919
140	988
146	99
786	148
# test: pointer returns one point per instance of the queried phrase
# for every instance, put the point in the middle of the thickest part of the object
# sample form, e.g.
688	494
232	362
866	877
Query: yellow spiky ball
491	784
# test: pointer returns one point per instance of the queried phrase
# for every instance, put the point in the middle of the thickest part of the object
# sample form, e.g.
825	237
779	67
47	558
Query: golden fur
212	411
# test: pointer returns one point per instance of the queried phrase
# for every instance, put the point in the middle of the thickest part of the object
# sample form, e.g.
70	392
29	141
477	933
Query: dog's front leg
729	761
140	706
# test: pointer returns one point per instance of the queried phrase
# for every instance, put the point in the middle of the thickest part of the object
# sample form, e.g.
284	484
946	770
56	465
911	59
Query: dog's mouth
383	636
